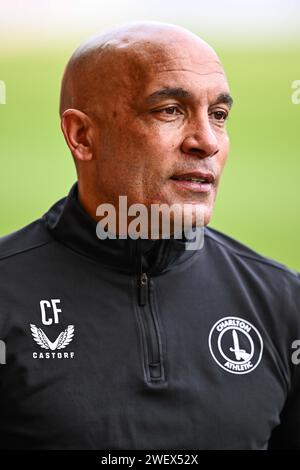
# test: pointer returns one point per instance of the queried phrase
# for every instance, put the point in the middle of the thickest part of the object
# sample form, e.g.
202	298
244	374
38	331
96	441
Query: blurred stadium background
259	45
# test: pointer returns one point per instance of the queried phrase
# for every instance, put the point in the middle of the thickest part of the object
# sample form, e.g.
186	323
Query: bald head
118	57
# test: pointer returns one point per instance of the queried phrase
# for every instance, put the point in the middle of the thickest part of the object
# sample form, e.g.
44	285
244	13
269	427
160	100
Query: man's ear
77	129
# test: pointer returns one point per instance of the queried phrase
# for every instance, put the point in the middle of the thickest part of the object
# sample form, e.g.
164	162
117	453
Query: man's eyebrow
224	98
164	93
179	92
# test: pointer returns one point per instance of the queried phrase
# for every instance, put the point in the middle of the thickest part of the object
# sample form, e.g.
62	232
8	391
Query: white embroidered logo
63	339
236	345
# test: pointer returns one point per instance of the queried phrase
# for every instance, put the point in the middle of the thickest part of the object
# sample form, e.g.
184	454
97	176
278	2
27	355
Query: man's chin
207	216
185	218
155	220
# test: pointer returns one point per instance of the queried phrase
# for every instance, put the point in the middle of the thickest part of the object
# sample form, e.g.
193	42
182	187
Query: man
124	343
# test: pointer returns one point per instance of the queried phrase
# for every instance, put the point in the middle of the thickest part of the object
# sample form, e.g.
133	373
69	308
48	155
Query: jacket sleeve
287	434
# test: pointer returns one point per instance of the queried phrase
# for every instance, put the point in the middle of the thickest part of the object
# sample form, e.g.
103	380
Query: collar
70	224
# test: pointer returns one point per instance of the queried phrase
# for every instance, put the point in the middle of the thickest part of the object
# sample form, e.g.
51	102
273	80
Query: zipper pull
143	289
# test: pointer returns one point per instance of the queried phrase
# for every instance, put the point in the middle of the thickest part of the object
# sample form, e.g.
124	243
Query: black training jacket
141	344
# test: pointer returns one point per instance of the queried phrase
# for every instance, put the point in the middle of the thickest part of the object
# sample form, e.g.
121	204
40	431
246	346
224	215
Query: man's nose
200	140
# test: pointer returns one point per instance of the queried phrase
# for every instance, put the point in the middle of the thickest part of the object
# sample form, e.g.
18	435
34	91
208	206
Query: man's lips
196	181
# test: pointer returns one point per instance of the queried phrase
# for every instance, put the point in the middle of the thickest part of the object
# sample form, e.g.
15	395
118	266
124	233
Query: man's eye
220	115
172	110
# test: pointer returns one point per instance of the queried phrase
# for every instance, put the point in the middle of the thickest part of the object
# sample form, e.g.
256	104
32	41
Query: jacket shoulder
30	237
238	249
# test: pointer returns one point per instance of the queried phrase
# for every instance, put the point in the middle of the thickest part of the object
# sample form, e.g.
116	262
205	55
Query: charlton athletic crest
236	345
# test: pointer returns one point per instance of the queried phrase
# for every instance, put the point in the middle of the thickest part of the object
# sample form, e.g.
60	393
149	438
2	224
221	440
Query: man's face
163	139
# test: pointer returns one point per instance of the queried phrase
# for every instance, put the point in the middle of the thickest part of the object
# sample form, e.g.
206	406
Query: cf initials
55	310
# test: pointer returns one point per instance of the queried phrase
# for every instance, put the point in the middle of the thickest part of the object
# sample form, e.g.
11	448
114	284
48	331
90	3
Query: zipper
143	290
153	352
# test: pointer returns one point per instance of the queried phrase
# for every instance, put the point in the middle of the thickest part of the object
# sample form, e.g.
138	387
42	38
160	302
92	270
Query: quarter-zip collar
69	223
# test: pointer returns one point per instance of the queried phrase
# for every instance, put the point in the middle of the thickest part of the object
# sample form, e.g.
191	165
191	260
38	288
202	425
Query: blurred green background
258	201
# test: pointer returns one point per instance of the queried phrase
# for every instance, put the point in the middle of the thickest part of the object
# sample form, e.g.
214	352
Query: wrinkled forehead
137	66
128	71
152	57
